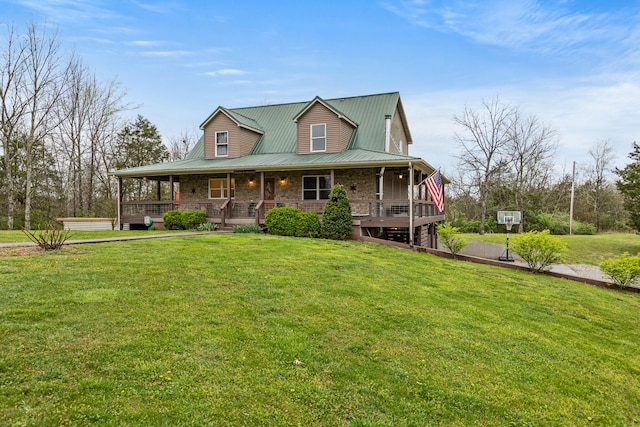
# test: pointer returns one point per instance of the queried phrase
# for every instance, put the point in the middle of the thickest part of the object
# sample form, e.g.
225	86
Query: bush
623	269
557	224
248	228
308	225
51	238
337	223
192	219
282	221
183	220
172	220
207	226
538	248
449	236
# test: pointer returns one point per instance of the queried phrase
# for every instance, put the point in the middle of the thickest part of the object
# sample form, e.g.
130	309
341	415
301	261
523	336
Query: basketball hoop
508	222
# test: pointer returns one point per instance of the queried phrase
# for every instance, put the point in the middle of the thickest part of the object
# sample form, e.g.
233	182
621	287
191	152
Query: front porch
386	219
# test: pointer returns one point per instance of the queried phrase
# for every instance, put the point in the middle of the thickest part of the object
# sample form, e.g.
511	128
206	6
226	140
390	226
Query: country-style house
252	159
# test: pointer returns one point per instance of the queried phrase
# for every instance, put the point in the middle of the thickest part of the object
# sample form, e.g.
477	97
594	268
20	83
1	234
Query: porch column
158	190
333	178
119	203
172	196
411	231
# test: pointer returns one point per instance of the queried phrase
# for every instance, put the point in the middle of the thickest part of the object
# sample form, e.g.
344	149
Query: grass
247	329
583	249
18	236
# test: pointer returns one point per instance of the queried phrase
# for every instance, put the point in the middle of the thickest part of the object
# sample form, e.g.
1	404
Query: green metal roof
276	148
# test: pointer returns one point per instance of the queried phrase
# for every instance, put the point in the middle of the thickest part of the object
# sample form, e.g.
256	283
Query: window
222	144
316	187
319	137
218	188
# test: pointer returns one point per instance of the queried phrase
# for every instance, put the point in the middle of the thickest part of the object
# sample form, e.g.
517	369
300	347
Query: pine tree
629	186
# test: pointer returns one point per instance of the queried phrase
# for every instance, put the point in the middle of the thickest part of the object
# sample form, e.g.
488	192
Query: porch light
283	180
252	181
400	176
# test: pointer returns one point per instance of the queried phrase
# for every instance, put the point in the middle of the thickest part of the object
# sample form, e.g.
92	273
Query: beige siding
241	141
398	134
338	131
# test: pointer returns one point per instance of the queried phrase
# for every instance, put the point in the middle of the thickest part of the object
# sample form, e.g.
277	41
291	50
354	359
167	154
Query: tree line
62	130
506	162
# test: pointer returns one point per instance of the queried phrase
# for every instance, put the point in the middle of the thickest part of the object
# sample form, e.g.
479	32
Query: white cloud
226	72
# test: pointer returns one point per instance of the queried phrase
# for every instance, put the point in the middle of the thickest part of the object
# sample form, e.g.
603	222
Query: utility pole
573	187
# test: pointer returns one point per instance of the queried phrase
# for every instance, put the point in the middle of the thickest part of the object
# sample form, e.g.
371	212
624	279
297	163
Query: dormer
228	134
321	128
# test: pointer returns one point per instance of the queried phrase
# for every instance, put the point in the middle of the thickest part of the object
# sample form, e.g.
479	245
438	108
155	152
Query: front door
269	193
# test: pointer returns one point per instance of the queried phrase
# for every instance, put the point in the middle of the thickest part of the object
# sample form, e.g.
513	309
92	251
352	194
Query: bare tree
530	152
12	109
86	116
45	73
603	156
482	141
179	146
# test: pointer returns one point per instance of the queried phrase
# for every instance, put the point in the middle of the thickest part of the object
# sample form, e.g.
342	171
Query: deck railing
256	209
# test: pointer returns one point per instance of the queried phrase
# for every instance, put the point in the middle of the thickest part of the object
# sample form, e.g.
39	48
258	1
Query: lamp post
508	222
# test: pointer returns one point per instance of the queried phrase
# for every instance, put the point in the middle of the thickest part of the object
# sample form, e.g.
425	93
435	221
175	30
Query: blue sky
574	64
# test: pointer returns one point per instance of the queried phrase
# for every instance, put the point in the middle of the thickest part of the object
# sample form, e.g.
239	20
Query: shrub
557	224
623	269
583	228
449	236
337	223
207	226
50	238
192	219
282	221
172	220
248	228
538	248
308	225
183	220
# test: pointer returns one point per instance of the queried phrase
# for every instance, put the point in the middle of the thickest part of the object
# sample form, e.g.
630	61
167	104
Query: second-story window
222	144
319	137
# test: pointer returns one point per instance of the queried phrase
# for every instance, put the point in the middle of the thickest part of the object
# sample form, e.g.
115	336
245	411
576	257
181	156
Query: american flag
434	187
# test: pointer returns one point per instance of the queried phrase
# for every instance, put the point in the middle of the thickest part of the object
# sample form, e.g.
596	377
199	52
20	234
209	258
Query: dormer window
222	144
319	137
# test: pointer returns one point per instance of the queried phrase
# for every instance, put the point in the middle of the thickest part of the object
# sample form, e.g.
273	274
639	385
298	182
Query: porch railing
227	209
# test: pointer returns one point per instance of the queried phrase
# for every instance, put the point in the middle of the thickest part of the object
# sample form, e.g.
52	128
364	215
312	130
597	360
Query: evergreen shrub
337	223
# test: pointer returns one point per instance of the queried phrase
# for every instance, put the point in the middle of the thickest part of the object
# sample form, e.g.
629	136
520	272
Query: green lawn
583	249
229	329
19	236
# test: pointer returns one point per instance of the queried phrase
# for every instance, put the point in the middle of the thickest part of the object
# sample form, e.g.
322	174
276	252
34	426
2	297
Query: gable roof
276	147
318	100
238	119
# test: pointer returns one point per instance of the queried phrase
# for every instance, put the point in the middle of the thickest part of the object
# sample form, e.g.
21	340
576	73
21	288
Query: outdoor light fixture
252	181
283	179
400	176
